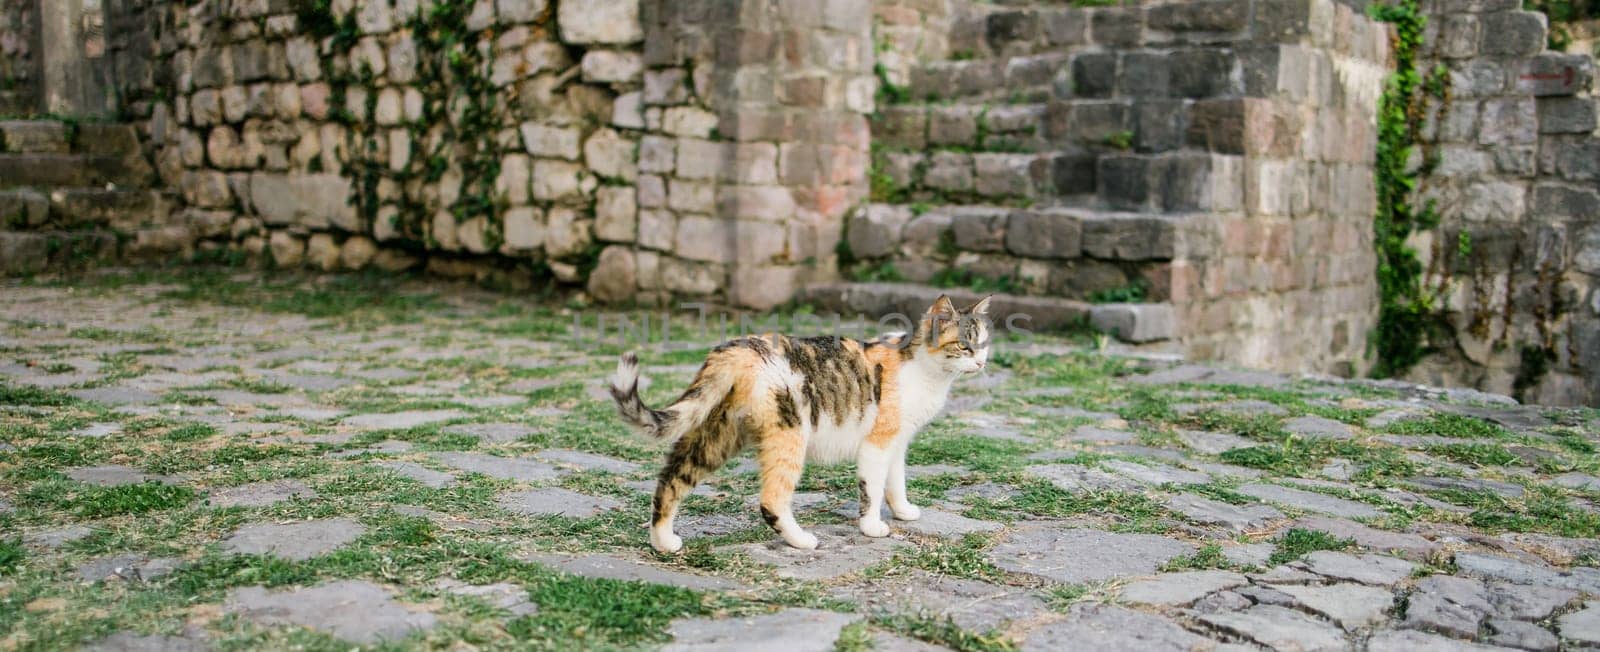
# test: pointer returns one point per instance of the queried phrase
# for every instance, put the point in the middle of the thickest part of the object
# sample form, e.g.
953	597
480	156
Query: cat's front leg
896	491
872	469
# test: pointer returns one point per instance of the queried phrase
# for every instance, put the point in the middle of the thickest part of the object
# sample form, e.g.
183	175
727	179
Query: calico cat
823	399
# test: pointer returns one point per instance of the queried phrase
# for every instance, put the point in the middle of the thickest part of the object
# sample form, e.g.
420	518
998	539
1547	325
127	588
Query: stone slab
841	550
114	475
971	604
497	433
293	541
1237	518
353	610
790	630
401	420
1278	628
555	501
1366	569
1109	627
258	494
1076	556
1179	589
1310	501
494	466
628	570
1353	606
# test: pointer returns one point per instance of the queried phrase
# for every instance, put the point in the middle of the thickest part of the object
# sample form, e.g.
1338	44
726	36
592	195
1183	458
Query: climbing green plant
462	112
1406	305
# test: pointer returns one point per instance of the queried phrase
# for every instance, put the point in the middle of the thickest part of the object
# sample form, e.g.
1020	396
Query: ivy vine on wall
1407	306
461	116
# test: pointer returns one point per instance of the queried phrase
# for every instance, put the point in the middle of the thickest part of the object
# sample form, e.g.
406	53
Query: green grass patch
1448	425
1476	454
1298	542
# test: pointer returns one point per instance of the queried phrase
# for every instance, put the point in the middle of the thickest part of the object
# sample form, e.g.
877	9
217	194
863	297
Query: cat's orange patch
887	425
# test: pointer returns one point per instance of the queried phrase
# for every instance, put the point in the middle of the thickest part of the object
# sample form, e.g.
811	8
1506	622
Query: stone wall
1217	155
516	140
19	59
1512	163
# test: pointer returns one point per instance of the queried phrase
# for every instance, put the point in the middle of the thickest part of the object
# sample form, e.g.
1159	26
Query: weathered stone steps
1069	253
80	207
1138	323
58	170
32	252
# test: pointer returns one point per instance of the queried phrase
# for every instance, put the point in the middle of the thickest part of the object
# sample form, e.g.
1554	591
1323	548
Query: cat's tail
671	422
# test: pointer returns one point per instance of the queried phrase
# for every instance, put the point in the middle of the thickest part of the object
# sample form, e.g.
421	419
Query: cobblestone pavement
210	459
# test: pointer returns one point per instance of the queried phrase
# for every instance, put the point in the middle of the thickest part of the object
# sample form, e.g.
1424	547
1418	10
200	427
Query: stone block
657	154
700	159
1144	74
567	233
206	189
1458	36
1135	322
615	214
1004	175
1200	21
764	287
949	172
556	180
1086	121
1555	202
33	137
1094	74
551	140
979	230
1044	234
23	207
1576	159
1554	73
1066	26
1203	72
874	230
524	228
1508	121
953	125
1073	173
1158	125
1117	25
1566	115
765	203
705	239
612	66
1128	237
1123	181
657	229
610	155
901	126
612	22
615	276
1512	33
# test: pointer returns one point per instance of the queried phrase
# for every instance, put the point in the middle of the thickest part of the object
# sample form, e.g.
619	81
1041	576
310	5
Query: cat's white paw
801	539
906	512
666	542
874	527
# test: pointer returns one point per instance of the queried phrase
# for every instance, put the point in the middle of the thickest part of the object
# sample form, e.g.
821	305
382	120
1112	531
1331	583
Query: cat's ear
942	307
981	307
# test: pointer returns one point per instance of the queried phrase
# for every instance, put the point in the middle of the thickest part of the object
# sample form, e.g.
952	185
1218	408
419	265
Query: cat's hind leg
782	457
696	455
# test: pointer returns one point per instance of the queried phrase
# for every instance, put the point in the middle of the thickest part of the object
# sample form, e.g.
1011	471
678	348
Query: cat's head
957	340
